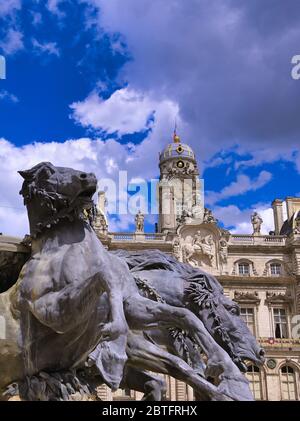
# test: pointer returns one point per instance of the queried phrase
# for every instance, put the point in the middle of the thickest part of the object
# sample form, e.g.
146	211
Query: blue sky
98	84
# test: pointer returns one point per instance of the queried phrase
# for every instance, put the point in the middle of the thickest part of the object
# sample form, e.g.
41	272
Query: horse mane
140	260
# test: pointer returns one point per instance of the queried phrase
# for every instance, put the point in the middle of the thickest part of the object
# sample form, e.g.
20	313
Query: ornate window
254	377
275	269
280	323
247	314
244	269
288	383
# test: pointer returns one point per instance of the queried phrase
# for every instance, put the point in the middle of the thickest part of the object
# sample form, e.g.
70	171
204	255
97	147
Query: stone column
289	207
278	215
167	217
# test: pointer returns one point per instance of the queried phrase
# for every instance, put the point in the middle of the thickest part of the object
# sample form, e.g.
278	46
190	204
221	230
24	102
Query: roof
177	150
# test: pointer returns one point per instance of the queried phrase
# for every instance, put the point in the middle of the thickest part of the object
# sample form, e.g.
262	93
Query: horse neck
64	233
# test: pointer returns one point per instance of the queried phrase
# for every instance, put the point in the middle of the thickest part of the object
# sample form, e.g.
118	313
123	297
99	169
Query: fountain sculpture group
79	315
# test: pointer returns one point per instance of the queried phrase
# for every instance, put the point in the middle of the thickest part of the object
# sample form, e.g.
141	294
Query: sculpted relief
203	246
199	249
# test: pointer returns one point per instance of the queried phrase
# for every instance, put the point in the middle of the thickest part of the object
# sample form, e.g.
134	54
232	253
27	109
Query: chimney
290	207
278	215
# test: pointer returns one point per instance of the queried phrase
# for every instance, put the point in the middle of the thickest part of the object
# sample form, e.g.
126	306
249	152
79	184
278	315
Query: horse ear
42	166
27	175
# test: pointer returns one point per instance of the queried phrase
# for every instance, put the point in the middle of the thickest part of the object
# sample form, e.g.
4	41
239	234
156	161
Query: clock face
271	363
180	164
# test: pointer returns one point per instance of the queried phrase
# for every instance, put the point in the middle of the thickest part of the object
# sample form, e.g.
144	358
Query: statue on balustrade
139	222
208	217
257	222
297	224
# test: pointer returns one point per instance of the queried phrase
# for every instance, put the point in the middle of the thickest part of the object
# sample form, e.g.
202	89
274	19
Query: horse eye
234	311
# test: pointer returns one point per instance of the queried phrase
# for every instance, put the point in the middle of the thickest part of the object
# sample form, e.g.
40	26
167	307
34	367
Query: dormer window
244	269
275	269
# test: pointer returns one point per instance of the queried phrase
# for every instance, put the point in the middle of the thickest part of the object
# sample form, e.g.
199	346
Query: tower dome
177	158
176	150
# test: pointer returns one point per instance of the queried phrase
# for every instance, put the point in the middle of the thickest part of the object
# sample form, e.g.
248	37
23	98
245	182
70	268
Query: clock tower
180	191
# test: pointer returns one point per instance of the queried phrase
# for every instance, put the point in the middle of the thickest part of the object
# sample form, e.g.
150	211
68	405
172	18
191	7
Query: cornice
245	281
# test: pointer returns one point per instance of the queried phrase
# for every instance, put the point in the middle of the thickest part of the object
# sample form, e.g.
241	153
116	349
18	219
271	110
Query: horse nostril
83	176
262	352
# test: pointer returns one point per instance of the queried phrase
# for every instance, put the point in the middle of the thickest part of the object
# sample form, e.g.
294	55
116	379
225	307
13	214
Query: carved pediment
246	297
278	298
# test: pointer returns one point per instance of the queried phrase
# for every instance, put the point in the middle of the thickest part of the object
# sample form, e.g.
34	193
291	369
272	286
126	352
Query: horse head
221	317
53	193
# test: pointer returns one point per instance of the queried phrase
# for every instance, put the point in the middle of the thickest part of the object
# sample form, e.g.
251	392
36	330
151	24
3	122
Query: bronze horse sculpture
75	302
182	285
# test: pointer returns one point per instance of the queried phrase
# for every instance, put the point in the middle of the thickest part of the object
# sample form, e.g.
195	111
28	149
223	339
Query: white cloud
120	224
104	158
54	7
37	18
5	95
263	156
220	62
125	112
46	47
9	7
13	221
82	154
242	185
12	42
240	220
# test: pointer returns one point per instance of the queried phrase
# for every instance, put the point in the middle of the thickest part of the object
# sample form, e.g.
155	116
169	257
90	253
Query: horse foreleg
153	387
142	314
148	356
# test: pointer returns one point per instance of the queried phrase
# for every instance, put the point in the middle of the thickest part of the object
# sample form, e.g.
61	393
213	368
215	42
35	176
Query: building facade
260	272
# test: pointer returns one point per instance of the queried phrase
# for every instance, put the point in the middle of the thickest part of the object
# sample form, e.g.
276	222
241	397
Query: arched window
275	269
254	377
244	269
288	383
